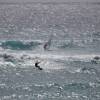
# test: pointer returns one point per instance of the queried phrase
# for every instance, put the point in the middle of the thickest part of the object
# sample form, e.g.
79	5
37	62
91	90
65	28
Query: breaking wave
19	45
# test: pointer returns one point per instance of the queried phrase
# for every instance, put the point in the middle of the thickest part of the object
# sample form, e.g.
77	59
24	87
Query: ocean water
70	70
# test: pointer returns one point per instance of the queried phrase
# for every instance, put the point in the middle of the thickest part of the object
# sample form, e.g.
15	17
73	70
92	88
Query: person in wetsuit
37	65
48	43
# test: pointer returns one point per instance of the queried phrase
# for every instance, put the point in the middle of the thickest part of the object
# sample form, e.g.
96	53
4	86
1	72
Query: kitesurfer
37	65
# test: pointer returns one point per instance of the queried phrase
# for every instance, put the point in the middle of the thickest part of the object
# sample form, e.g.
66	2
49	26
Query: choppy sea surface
70	71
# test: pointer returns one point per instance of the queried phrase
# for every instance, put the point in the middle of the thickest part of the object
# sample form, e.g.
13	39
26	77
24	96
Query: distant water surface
69	69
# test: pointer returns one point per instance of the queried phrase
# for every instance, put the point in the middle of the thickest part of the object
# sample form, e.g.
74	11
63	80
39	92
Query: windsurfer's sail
48	43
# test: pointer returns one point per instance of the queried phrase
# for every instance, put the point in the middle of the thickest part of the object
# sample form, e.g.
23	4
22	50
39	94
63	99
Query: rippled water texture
64	37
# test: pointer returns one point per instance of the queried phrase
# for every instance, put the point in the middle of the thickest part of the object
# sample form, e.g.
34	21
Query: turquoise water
70	70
